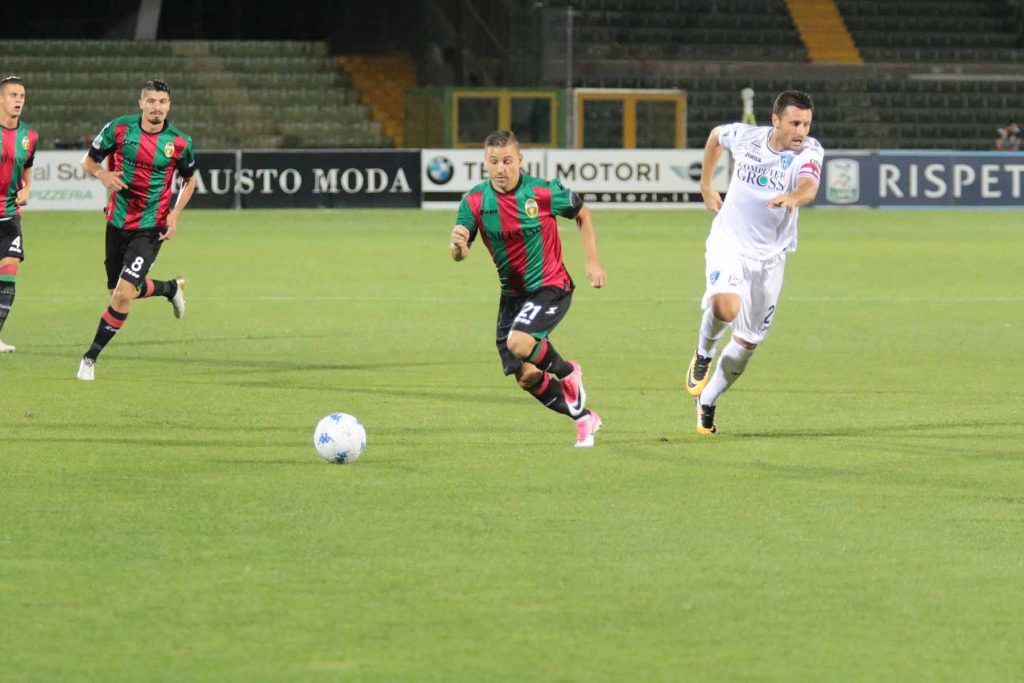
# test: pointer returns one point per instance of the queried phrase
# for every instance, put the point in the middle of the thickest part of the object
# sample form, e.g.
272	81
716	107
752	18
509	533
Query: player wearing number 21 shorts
516	217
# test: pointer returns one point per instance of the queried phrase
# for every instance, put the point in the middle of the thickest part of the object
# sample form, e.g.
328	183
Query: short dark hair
11	79
155	85
501	138
791	98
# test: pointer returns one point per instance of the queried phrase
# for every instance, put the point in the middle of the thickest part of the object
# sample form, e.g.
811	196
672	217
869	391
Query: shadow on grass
231	366
129	343
314	460
155	442
876	430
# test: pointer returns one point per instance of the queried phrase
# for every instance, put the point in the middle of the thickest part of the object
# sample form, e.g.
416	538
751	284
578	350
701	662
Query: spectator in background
1009	138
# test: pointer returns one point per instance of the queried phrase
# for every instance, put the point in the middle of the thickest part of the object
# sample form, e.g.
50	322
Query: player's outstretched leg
541	353
110	322
172	290
542	387
569	374
731	365
711	330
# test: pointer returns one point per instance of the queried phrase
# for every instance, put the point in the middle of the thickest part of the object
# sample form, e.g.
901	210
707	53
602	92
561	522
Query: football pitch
860	515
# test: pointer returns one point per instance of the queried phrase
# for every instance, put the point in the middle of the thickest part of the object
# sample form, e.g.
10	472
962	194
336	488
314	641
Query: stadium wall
641	179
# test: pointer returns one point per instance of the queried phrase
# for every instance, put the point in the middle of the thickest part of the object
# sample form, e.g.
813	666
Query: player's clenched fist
460	236
460	242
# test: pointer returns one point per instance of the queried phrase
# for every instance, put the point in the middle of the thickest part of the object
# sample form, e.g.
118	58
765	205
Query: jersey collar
513	190
167	123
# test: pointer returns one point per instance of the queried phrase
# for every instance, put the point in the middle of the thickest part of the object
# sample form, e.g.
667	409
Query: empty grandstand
915	74
252	94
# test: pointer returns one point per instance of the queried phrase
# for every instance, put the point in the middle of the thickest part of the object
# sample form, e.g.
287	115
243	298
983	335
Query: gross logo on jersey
759	176
169	149
440	170
531	207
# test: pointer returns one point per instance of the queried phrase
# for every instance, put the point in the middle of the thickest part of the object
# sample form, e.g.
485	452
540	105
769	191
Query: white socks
711	330
731	365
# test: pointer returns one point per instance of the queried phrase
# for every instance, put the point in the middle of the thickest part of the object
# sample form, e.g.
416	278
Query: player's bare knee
520	344
122	295
725	309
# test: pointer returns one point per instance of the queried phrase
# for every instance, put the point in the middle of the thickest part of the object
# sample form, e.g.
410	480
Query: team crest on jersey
531	207
169	149
24	143
786	158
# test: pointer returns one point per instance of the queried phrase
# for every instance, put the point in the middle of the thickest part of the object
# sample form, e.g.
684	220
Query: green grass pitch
859	517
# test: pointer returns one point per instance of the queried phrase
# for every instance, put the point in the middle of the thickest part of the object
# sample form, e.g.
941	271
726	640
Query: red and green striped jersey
16	157
147	162
520	231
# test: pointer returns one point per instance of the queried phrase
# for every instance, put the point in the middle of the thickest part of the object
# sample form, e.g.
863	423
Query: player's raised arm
805	192
595	271
460	243
712	153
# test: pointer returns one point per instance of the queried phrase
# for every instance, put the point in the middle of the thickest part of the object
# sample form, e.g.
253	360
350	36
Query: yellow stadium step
382	82
823	31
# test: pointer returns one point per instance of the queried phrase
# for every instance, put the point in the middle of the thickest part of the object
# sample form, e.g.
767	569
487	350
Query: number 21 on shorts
527	313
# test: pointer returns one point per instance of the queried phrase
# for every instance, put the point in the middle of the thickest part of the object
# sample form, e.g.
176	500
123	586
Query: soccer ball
340	438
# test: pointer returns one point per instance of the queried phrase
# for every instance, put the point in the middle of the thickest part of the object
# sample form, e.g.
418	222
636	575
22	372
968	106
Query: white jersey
745	224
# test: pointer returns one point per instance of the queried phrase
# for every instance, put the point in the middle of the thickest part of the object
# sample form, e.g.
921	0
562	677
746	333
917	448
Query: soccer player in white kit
777	169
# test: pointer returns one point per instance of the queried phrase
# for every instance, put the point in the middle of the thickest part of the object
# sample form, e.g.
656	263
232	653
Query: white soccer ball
340	438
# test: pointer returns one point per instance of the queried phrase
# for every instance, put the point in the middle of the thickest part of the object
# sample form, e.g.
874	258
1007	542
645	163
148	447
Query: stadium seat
226	93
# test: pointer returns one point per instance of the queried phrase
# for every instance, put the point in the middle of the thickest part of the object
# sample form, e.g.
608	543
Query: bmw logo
440	170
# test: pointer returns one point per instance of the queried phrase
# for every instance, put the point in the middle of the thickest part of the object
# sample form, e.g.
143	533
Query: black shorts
536	313
130	254
10	239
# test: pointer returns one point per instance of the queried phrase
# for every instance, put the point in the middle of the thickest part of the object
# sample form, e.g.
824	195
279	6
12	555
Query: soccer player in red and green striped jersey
17	151
515	215
147	151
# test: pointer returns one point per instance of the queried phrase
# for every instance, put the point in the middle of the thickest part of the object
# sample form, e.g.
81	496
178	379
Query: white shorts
758	283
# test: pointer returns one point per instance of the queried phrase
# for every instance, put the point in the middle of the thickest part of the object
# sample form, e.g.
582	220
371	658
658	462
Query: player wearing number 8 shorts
515	215
147	152
777	169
